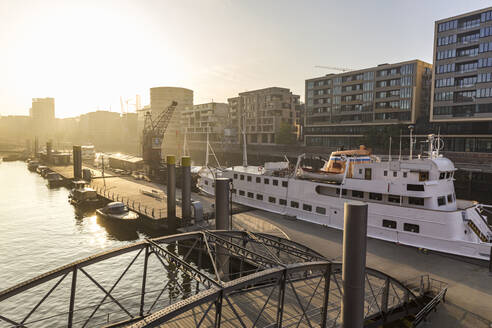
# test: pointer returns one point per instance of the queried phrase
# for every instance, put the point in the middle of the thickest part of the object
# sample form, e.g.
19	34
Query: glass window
411	227
415	187
405	174
235	175
368	174
242	177
307	207
395	174
450	198
271	199
320	210
258	180
294	204
241	192
385	173
344	191
285	184
375	196
423	176
441	200
357	193
248	178
282	201
416	201
393	198
259	196
251	195
389	224
275	182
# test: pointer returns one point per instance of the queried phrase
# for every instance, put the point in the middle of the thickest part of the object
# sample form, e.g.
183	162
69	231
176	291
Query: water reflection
117	231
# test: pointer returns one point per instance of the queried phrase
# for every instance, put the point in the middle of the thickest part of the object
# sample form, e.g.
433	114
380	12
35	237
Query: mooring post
77	162
186	187
171	193
354	264
222	222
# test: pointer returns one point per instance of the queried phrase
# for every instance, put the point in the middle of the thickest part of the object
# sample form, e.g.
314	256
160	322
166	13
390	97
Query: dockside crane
152	138
343	70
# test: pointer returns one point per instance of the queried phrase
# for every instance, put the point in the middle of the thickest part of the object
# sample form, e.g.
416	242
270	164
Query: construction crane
153	135
335	68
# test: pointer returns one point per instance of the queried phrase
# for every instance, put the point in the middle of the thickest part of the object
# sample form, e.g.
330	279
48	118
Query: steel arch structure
175	280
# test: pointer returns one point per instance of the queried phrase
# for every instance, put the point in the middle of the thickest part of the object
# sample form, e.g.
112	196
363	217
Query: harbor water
40	230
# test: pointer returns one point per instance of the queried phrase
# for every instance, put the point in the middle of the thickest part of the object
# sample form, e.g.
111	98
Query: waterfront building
198	120
461	105
341	108
102	129
264	113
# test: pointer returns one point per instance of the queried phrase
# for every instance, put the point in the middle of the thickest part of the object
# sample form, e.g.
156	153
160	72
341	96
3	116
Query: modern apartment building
42	114
264	113
198	120
461	104
341	108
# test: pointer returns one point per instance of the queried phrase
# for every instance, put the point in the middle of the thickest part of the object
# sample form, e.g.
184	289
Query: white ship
411	201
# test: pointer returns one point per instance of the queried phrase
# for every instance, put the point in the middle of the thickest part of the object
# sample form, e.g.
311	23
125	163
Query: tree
285	136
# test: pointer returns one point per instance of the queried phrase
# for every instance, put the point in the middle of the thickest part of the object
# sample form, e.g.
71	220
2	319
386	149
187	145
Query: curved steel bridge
177	281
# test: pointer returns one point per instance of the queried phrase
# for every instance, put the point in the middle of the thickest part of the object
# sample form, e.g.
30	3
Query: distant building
461	105
15	128
341	108
198	120
42	114
102	129
263	112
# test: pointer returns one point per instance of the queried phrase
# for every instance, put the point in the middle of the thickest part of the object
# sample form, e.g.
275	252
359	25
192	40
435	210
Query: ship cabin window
344	191
395	174
241	192
275	182
357	193
368	174
393	198
242	177
272	200
411	227
389	224
249	178
442	175
259	196
206	182
450	198
320	210
385	173
294	204
423	176
251	195
448	175
307	207
266	181
360	171
415	187
285	184
213	184
405	174
375	196
258	180
235	175
282	201
441	200
416	201
233	190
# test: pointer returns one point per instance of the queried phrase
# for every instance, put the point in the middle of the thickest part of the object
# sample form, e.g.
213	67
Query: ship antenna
390	149
245	152
399	155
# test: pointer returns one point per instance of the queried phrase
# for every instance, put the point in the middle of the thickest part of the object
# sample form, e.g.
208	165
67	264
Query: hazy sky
88	53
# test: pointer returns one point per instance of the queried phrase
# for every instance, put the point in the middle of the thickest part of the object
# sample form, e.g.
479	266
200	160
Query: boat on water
32	166
85	198
54	180
410	201
118	213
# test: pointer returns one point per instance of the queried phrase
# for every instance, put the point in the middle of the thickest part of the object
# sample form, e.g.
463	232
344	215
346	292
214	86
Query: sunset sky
86	54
